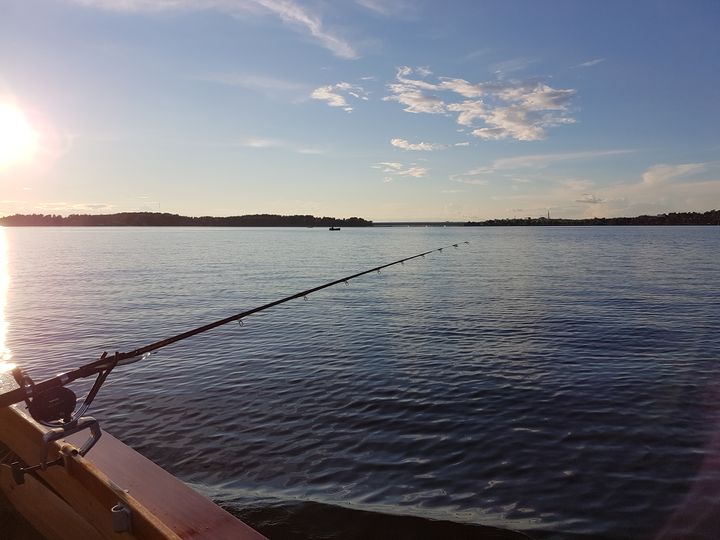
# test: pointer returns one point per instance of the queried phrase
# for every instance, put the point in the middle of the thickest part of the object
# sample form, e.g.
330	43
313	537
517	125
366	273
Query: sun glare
18	138
5	354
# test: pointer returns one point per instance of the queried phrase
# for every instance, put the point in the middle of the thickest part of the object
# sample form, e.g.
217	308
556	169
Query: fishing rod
52	404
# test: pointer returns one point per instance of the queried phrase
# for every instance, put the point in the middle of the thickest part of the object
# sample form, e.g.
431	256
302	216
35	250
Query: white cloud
468	90
538	97
335	94
388	166
421	146
415	100
288	11
327	93
416	172
469	112
464	143
495	110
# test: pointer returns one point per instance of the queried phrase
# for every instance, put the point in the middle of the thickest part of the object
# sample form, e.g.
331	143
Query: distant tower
548	213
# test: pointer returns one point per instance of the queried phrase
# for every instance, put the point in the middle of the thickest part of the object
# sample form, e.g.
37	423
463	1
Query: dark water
557	381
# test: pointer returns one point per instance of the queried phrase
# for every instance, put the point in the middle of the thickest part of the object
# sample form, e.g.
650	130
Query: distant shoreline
157	219
711	217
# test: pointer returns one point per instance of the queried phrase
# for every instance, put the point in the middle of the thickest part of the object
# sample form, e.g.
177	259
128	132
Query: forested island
157	219
675	218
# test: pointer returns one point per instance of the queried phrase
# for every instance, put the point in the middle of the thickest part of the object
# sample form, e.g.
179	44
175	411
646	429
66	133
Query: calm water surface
558	381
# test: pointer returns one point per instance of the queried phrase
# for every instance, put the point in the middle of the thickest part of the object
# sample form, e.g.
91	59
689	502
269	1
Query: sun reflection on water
5	354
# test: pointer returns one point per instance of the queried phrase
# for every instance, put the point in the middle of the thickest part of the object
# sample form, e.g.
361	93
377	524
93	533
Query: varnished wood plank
52	517
189	514
84	487
163	508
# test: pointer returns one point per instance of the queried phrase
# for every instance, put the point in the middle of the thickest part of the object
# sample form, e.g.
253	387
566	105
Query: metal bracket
83	423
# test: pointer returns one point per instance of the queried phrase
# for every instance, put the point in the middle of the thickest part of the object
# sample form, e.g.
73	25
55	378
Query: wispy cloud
520	110
589	63
589	199
394	8
662	173
421	146
293	13
289	12
540	161
577	184
662	188
254	142
74	207
395	169
261	143
478	53
533	161
472	180
511	66
336	94
269	86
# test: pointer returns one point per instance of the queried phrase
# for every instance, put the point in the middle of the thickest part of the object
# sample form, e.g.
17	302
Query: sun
18	138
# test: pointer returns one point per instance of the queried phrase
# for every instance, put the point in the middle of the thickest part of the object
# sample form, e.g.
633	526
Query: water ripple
558	381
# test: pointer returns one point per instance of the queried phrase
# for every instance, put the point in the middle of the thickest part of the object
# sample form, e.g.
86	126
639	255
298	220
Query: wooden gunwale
162	507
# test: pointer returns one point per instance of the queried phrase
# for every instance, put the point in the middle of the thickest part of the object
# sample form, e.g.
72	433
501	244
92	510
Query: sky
386	110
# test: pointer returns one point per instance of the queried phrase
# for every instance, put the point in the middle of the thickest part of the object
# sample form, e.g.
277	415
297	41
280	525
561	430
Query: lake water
558	381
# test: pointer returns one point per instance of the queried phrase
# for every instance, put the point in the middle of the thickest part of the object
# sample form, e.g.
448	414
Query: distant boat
334	229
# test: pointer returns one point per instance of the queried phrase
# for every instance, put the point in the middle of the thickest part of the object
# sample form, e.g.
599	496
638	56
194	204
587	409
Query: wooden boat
112	493
334	229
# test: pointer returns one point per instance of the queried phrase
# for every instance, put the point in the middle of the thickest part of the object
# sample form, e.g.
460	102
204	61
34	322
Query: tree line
157	219
711	217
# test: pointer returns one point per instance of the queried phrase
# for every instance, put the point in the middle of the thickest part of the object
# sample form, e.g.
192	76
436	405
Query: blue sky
387	110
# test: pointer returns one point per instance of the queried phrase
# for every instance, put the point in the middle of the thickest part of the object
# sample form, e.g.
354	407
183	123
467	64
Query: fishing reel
51	406
55	408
